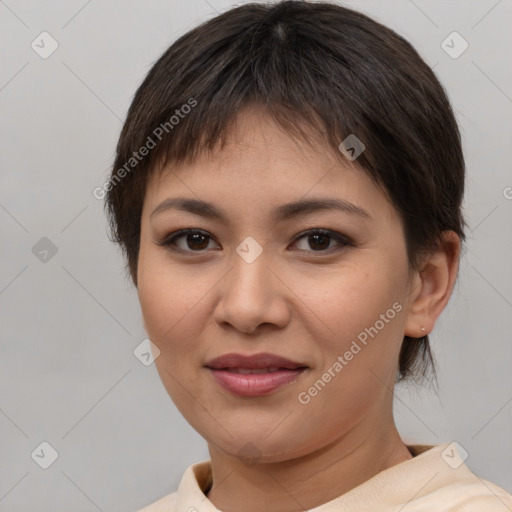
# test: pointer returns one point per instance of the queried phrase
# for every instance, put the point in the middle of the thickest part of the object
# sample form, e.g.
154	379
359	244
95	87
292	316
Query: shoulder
165	504
477	496
194	481
484	495
449	484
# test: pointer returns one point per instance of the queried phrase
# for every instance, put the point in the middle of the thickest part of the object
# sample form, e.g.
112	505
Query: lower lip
254	384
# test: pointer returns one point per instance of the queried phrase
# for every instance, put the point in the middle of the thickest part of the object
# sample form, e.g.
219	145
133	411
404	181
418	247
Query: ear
432	286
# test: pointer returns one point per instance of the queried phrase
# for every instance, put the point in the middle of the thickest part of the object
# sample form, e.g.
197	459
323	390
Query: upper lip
255	361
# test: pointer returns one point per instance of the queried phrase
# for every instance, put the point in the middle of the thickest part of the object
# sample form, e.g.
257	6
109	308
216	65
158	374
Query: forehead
254	135
262	165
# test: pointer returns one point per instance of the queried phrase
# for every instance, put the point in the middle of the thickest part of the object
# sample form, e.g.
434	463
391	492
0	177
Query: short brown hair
314	65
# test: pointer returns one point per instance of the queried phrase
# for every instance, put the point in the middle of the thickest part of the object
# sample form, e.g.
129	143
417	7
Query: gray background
70	324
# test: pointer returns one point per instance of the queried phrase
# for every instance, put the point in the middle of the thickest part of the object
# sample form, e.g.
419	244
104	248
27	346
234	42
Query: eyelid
343	240
168	241
323	231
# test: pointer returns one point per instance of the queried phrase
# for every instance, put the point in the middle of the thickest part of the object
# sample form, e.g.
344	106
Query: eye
194	239
320	240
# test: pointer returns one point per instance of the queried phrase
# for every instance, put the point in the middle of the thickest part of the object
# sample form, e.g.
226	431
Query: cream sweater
434	480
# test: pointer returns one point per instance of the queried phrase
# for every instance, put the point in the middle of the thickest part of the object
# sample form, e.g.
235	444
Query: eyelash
169	241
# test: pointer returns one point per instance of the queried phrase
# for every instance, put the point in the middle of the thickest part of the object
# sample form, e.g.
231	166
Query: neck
306	482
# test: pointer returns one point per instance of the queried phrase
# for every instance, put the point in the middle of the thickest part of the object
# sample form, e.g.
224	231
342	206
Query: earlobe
433	285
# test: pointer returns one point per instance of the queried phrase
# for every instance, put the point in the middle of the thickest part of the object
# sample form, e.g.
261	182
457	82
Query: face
326	288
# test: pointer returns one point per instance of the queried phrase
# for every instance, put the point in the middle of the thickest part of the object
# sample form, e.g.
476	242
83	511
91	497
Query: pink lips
254	375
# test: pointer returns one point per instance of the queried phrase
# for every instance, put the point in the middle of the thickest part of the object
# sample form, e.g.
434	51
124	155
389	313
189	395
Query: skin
294	300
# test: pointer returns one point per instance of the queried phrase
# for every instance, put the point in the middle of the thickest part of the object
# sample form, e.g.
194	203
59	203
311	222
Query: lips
254	371
256	375
263	361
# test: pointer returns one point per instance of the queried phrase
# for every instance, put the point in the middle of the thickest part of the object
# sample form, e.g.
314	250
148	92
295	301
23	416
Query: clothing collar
432	467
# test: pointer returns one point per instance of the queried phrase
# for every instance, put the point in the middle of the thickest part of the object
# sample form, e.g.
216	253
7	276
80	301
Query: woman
287	190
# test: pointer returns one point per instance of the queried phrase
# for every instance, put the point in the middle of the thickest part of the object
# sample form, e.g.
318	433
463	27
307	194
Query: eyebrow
282	212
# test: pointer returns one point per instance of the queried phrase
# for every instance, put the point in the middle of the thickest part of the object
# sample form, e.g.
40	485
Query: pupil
315	241
196	238
316	236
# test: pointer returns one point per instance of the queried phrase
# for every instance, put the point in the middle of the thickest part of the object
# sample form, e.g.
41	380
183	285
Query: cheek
358	316
166	297
348	300
169	303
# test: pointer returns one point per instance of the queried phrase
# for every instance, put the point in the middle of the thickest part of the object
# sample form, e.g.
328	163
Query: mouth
262	361
255	375
254	371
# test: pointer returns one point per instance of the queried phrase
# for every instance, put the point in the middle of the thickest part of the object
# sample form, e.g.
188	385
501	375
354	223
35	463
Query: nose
252	295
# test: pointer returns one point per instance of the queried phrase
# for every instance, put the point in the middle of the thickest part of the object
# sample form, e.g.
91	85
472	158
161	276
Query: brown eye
187	240
317	240
320	240
196	241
